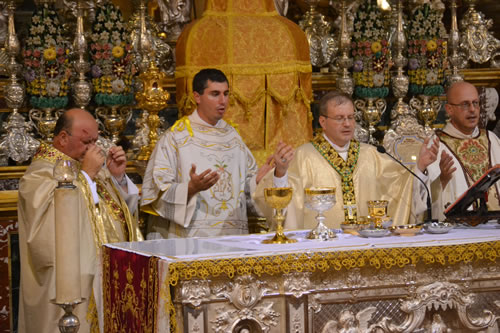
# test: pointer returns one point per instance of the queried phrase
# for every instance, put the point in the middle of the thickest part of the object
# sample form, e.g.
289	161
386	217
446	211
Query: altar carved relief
250	312
433	297
349	322
297	284
195	292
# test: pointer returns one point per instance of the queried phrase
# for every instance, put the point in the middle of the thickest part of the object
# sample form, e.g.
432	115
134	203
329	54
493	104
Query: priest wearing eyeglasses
334	158
465	153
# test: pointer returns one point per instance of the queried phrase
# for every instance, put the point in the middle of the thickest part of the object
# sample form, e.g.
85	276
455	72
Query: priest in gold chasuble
107	203
333	158
266	59
465	153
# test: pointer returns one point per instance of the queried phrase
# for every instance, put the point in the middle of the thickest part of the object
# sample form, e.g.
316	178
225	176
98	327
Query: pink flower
60	51
354	53
36	53
384	42
61	60
98	47
105	47
27	53
98	55
27	62
105	55
423	49
36	63
368	52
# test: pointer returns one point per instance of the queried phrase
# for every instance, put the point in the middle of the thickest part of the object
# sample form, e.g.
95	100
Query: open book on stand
476	195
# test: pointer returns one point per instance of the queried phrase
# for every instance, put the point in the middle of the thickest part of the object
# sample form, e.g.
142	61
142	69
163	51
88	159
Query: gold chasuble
365	175
108	221
266	59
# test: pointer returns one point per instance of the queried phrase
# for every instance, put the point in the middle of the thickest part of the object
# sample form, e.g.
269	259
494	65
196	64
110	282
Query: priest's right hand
282	157
93	161
428	153
201	182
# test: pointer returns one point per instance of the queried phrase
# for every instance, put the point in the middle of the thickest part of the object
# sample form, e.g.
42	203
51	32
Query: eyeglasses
340	119
464	106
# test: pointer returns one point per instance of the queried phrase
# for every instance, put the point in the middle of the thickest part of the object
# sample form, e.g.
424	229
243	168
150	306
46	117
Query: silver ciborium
278	198
320	199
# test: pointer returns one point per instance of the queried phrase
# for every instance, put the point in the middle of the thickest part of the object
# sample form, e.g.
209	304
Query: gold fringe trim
333	261
295	66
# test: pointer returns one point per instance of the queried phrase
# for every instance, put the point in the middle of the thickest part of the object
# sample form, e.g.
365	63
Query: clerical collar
339	149
453	131
195	118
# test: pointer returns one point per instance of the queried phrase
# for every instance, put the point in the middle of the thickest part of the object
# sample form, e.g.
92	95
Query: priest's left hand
116	162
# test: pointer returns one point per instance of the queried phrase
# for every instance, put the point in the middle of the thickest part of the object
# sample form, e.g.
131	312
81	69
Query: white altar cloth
250	245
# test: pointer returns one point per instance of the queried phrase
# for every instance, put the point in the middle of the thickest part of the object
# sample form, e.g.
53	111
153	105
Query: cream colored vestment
460	181
220	210
108	221
375	177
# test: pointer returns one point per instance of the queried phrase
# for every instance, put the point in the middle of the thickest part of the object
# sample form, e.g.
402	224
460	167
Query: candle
68	284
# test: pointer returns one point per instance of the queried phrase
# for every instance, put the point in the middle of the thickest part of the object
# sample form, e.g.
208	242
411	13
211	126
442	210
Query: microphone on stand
382	150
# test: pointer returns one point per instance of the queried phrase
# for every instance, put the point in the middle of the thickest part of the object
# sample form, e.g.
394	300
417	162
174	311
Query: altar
424	283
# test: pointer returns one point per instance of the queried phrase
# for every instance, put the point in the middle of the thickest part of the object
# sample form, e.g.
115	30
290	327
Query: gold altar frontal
235	284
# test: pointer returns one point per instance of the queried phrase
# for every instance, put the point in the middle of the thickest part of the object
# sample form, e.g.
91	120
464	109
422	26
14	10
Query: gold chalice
377	210
278	198
320	199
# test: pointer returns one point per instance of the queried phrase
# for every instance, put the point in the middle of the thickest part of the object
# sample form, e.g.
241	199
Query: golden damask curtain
266	59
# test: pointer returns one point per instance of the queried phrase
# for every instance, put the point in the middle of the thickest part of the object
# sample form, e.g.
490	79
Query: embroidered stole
472	154
344	168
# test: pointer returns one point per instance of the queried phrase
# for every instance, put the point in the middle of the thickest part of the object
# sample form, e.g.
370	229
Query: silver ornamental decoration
82	89
344	80
372	110
477	42
16	142
455	57
399	81
322	45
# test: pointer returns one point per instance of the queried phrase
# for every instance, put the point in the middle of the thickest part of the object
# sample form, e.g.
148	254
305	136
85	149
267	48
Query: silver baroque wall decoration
476	41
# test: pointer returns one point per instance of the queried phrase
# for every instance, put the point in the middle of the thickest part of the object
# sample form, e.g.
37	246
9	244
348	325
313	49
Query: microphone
382	150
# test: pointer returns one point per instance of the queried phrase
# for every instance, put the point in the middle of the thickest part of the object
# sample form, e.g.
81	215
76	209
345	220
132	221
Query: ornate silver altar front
424	283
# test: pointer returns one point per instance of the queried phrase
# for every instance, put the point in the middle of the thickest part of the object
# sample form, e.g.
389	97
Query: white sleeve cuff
93	187
281	182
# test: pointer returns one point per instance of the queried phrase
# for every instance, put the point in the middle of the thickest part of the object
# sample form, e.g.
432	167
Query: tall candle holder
67	247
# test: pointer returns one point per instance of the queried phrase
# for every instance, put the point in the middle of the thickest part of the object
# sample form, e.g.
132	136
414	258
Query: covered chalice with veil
278	198
320	199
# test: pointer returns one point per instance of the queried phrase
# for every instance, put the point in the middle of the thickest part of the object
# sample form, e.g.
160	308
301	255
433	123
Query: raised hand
265	168
428	155
201	182
447	168
117	162
282	157
93	160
